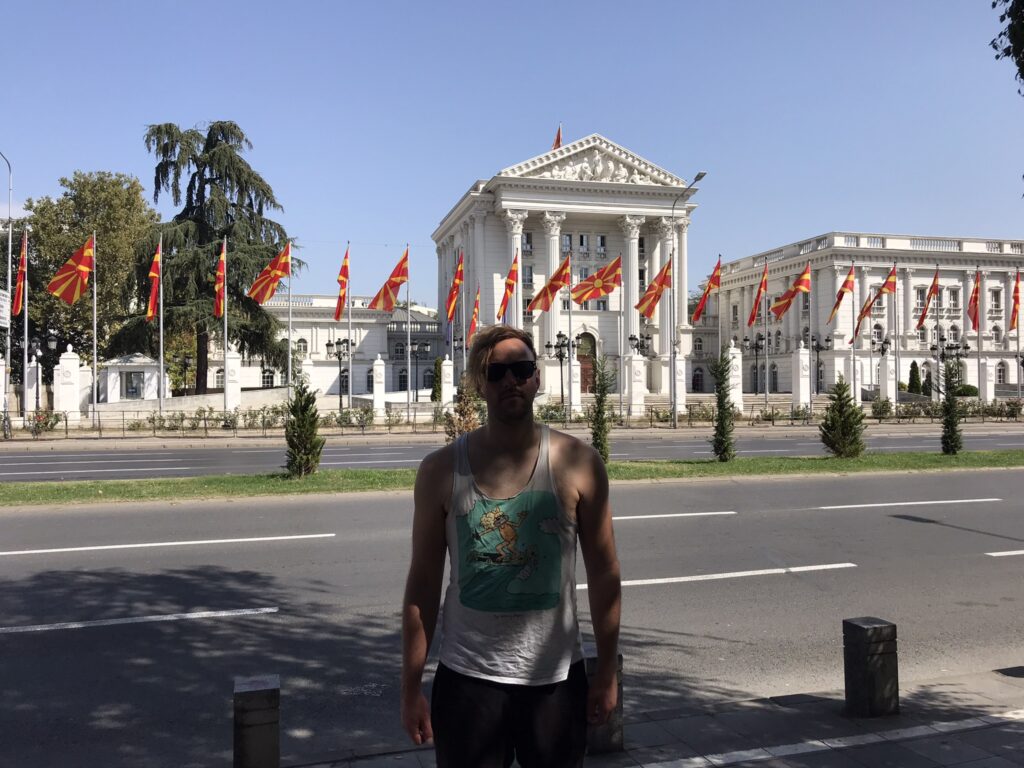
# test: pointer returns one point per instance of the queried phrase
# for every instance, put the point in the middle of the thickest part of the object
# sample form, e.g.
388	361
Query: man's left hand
601	699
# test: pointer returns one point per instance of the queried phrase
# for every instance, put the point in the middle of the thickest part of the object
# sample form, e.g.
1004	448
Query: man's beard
513	410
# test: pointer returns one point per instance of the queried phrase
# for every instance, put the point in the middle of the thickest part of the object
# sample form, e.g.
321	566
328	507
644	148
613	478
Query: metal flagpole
672	339
622	344
10	285
408	349
24	344
1017	319
461	298
225	307
569	341
95	281
937	376
978	311
160	283
896	333
764	318
812	384
289	327
351	341
853	335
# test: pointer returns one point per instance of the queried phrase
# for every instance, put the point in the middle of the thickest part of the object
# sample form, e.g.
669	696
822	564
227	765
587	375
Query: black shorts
482	724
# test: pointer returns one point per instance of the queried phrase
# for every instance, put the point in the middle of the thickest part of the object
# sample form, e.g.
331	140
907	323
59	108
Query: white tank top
510	607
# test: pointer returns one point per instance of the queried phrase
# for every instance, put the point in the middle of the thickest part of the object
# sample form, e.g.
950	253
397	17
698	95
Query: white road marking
732	575
1011	553
261	450
88	471
35	457
75	462
1010	445
361	455
382	461
909	503
676	514
148	545
138	620
901	447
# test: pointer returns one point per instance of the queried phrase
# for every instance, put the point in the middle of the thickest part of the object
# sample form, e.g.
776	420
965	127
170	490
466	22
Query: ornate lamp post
641	344
561	351
818	348
341	353
758	346
419	349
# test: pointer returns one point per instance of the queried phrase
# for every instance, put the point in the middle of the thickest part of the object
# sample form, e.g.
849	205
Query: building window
566	242
584	272
643	279
768	344
821	377
369	379
735	314
602	243
602	305
922	334
565	305
997	334
528	275
267	379
954	334
953	298
876	333
778	341
132	385
919	297
1001	373
775	377
640	246
218	379
585	306
302	347
698	345
403	380
995	299
698	380
428	379
878	308
805	304
343	382
527	242
399	350
584	243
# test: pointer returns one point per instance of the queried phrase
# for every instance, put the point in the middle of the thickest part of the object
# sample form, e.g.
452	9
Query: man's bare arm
604	585
423	589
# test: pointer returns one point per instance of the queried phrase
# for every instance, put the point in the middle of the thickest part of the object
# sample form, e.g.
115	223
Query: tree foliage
600	427
464	417
301	432
112	205
220	195
926	385
723	444
952	439
1009	43
842	426
435	391
914	382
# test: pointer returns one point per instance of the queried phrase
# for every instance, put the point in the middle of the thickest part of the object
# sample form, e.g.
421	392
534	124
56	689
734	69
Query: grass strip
350	480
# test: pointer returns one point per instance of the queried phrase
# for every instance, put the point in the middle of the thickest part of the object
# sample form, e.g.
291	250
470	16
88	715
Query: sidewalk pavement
974	721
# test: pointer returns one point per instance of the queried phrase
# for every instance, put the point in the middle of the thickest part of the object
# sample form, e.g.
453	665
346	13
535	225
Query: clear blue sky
371	119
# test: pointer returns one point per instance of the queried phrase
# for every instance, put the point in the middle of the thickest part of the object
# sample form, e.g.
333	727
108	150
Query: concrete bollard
607	737
257	722
870	667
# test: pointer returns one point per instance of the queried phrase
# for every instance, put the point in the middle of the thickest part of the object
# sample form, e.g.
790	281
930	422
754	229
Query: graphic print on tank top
510	554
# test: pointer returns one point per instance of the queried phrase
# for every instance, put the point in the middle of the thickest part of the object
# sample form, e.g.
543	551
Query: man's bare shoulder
437	465
568	452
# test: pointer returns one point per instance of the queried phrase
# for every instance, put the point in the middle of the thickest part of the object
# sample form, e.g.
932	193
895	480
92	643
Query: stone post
987	384
447	382
887	379
574	381
735	375
680	374
257	725
379	368
5	404
233	381
34	375
801	374
636	367
870	667
67	388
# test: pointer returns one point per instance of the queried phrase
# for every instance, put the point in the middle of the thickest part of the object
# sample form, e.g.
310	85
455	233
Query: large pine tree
842	427
952	440
723	444
221	195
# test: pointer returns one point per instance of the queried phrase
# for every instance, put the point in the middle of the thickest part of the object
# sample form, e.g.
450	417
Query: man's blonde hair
484	342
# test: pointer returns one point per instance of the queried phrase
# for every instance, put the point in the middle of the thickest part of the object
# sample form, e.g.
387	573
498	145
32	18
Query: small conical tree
604	380
914	384
304	443
723	443
926	385
952	440
435	392
842	427
463	417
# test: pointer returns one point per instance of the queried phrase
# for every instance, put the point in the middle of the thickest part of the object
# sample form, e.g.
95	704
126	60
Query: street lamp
342	353
419	349
185	363
642	344
758	346
560	350
818	348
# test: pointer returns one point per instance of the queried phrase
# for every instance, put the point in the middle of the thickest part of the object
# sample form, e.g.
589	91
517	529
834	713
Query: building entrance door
585	352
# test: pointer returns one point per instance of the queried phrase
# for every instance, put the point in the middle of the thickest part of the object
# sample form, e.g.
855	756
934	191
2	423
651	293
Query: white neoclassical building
830	256
595	200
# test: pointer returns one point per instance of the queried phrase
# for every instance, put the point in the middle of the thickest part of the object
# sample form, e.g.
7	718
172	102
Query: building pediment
594	159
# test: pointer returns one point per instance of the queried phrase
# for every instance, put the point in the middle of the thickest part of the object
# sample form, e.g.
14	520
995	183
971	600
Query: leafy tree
435	392
465	415
952	440
112	205
723	444
914	385
301	432
1009	43
221	196
926	385
842	426
604	381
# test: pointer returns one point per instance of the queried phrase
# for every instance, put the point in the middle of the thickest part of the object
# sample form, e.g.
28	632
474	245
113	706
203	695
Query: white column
514	227
233	380
631	288
1007	304
32	378
488	308
378	388
683	277
735	375
865	286
663	231
982	306
801	375
655	259
987	382
553	318
887	378
965	295
447	382
907	321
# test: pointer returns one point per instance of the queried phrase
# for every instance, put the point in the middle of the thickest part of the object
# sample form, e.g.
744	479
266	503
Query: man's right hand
416	719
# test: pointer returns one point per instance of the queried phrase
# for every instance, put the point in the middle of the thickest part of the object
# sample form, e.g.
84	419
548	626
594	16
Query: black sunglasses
522	370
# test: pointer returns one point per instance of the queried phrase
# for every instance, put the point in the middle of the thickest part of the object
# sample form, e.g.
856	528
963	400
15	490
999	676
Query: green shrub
301	432
881	408
723	444
966	390
842	426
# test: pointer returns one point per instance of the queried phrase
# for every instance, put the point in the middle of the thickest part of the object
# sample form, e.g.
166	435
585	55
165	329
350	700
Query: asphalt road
122	626
132	461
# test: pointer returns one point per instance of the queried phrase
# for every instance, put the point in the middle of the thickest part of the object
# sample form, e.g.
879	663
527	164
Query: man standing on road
508	501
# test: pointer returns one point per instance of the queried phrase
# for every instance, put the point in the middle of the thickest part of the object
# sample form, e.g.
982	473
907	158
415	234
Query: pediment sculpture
593	165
